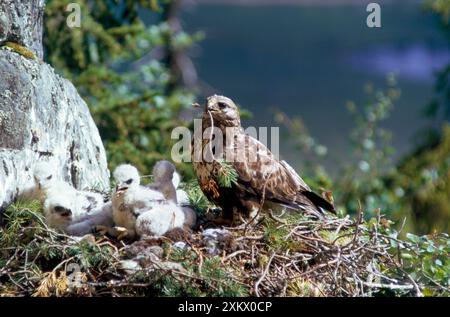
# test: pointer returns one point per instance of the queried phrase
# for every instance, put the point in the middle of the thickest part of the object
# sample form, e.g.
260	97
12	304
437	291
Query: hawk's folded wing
262	174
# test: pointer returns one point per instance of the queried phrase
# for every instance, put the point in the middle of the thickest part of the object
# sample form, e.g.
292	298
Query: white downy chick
182	196
184	202
166	181
160	219
60	209
130	199
44	177
163	173
46	181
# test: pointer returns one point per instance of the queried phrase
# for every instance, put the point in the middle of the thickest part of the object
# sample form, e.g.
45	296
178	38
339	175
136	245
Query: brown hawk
263	181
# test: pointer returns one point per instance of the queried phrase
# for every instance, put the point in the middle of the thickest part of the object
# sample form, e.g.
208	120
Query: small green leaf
412	237
406	256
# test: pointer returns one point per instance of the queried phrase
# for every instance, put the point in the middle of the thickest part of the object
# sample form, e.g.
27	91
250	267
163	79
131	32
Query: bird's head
62	211
59	207
43	174
163	171
223	110
126	176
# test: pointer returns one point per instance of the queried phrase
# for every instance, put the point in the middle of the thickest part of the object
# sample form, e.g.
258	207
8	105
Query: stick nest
292	255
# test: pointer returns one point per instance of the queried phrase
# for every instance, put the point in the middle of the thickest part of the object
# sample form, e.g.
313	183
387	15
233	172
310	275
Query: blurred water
309	60
415	63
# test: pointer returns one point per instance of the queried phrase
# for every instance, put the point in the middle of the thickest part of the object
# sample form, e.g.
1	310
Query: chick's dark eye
222	105
59	209
128	182
50	177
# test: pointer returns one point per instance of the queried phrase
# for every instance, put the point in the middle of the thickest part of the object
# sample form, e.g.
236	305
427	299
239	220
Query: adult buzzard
263	181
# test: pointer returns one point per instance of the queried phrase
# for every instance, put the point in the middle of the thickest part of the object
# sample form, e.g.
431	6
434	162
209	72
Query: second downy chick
47	183
130	200
166	181
61	209
160	219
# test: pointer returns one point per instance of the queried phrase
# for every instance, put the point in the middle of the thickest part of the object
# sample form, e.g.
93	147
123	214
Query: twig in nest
388	286
229	256
263	275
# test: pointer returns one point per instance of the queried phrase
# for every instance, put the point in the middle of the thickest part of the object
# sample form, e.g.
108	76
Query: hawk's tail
320	203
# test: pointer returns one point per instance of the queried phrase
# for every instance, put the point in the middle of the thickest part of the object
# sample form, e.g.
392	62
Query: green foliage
196	197
428	260
213	279
124	69
227	174
275	233
312	152
442	7
416	188
424	258
424	178
35	260
362	178
34	252
274	236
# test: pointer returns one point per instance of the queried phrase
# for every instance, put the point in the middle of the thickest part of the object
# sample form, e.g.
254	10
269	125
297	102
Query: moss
19	49
276	238
213	280
299	287
342	238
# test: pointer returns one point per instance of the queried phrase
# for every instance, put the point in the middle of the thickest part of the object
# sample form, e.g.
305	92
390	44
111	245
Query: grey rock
21	22
42	116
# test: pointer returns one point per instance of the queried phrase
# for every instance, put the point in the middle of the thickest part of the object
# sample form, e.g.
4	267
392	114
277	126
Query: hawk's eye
50	177
222	105
128	182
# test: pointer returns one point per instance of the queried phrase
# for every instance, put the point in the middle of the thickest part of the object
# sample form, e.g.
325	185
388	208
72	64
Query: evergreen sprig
227	175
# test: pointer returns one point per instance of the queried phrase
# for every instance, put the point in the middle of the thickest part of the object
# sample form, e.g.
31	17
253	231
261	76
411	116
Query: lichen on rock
19	49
